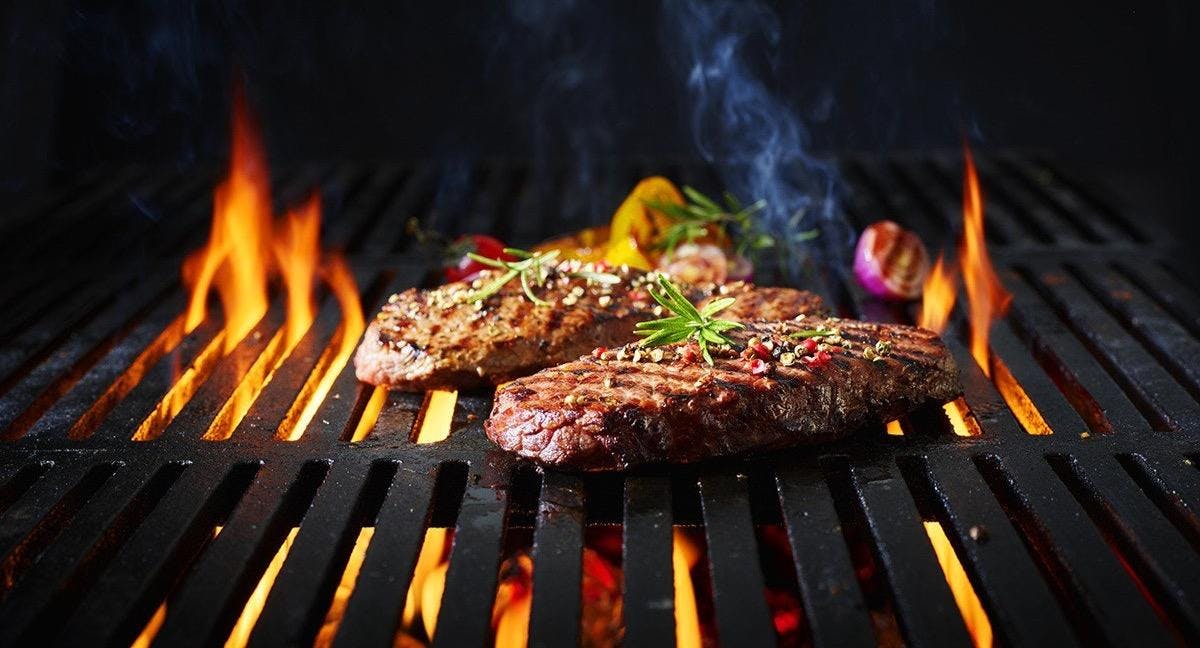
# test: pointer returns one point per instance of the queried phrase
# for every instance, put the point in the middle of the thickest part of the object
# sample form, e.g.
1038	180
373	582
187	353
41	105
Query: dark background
91	83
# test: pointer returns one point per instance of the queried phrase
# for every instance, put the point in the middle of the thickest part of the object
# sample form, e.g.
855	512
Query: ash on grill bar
187	456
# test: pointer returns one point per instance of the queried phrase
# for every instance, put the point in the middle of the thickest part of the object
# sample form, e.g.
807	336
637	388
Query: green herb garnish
533	268
688	322
804	334
693	218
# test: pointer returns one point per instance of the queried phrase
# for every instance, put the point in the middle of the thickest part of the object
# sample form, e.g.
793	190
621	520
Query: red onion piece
890	262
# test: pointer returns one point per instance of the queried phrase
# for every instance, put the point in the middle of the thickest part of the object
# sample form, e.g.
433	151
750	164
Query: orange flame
366	422
297	250
329	365
236	257
240	635
684	555
424	597
341	597
1018	400
938	296
514	602
969	606
986	297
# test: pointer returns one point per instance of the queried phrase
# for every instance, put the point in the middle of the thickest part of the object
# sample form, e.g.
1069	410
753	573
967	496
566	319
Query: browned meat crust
610	413
431	339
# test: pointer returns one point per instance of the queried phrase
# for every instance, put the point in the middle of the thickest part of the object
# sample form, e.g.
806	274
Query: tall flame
236	256
938	296
986	297
297	248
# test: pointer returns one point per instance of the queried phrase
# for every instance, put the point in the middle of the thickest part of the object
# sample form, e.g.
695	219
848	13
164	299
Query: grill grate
1088	535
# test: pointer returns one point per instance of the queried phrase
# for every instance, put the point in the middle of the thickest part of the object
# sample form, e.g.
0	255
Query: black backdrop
87	83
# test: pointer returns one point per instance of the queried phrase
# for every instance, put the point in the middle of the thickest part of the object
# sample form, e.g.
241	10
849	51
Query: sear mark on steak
432	339
770	390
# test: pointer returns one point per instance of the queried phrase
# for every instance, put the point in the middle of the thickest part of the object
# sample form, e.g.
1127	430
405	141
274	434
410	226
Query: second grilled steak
431	339
771	390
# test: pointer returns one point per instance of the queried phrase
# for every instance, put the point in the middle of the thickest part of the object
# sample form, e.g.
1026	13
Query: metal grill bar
1076	366
373	612
1133	366
1117	609
1076	537
1007	579
924	604
296	604
833	603
475	557
204	609
649	591
738	588
138	579
59	576
1159	554
557	562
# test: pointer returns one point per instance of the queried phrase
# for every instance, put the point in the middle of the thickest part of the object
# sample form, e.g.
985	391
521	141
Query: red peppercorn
638	295
757	367
824	357
598	352
761	350
810	345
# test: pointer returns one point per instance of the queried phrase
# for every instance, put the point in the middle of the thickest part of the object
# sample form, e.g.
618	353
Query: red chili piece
761	350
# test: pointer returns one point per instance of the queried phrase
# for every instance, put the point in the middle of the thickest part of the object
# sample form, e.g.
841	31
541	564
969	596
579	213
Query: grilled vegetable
890	262
461	265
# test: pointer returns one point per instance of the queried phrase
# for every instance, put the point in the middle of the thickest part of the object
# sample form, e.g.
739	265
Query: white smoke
723	51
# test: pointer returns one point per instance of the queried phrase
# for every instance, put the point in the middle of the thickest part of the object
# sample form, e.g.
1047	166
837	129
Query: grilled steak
428	339
772	389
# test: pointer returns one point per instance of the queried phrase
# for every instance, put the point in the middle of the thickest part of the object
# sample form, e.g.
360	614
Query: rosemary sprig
693	218
688	321
532	268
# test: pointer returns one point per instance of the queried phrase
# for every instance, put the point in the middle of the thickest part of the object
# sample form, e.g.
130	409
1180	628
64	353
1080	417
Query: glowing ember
894	428
938	298
969	606
986	297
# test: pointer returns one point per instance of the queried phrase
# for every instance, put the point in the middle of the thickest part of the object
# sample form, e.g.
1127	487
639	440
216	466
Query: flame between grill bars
1055	502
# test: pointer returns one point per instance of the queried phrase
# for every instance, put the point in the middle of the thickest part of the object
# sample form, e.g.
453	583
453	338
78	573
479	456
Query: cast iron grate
1088	535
